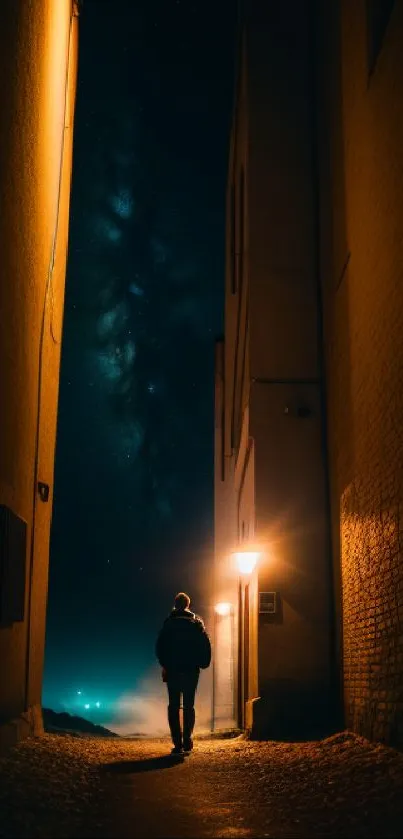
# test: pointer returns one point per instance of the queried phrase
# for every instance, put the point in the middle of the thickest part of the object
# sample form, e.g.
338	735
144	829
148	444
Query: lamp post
246	562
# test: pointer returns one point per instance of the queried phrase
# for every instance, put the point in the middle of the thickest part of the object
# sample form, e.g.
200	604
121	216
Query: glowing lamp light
223	609
86	706
246	561
98	704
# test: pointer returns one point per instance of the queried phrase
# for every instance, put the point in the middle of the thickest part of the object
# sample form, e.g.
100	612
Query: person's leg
173	710
189	692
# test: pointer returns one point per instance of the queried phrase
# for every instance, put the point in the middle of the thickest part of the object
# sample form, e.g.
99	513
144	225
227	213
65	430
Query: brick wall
363	296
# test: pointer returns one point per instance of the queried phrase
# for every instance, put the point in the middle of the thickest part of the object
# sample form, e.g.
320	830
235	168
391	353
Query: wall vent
267	602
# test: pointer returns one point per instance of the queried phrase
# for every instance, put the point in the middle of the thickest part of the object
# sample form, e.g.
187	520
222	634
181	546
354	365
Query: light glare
223	608
246	561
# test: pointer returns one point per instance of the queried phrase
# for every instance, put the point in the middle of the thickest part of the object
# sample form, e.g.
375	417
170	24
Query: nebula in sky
133	502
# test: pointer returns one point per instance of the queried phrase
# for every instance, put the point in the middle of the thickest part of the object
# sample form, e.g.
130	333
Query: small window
267	602
378	14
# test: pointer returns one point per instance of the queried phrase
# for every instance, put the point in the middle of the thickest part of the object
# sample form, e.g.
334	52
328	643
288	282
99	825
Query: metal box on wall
267	602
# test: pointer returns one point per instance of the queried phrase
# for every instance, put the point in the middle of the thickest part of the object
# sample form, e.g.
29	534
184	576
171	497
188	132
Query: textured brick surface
364	331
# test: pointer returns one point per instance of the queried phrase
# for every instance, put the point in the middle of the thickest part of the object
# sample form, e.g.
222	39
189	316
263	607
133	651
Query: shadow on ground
149	764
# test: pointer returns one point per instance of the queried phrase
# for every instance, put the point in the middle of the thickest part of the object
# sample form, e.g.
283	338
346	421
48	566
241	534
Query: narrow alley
66	786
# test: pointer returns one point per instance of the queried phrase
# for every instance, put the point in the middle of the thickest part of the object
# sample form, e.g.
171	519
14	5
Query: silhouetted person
183	647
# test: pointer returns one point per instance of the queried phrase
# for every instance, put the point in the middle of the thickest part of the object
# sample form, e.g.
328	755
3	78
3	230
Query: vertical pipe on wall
240	647
334	664
213	675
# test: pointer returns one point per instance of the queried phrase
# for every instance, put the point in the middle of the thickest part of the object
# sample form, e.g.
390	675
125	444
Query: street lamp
246	562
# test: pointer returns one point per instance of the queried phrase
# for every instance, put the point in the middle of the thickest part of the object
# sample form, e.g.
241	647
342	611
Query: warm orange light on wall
223	609
246	561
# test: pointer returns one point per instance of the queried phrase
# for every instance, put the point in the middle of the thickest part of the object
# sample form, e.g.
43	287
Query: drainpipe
212	724
334	671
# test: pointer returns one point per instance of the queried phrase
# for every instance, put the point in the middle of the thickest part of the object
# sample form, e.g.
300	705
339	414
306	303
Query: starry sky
133	504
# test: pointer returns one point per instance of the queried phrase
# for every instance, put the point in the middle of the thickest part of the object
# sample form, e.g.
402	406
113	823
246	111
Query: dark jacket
183	643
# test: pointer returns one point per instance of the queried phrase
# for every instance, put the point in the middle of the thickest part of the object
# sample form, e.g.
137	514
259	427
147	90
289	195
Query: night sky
133	505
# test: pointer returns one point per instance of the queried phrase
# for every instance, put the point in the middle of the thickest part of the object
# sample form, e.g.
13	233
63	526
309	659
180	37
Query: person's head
182	601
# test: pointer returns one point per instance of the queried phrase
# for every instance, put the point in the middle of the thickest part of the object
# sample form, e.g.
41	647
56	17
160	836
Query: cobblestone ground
64	786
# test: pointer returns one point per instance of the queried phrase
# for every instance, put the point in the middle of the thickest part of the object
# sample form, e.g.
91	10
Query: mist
143	712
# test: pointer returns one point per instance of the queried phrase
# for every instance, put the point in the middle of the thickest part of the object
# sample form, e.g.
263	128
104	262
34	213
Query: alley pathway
65	786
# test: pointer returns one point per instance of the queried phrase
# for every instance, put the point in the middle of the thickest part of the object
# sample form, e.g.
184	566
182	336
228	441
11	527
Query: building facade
309	406
38	61
270	481
360	120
